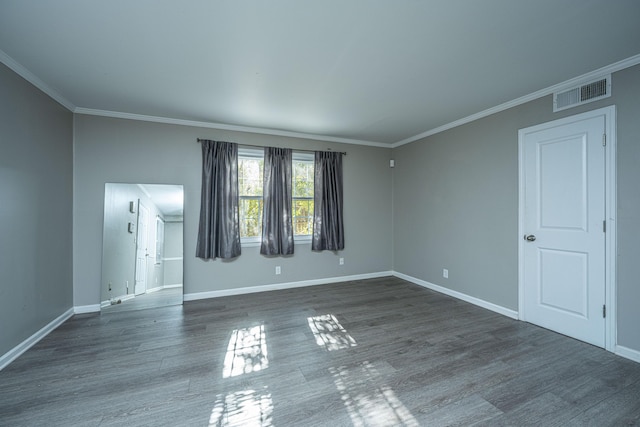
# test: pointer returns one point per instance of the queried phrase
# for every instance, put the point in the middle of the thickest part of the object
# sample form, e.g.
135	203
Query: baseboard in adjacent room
628	353
459	295
161	288
281	286
82	309
107	303
25	345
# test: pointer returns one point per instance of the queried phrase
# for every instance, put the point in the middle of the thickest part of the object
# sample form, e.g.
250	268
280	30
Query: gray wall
35	209
119	246
454	196
456	203
119	150
627	99
173	251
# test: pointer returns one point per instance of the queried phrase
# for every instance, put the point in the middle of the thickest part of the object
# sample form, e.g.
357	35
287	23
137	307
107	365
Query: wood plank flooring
379	352
161	298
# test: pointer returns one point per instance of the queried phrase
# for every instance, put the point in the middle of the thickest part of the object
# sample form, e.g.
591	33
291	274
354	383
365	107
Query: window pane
302	207
250	191
250	217
302	226
250	176
302	197
302	216
302	179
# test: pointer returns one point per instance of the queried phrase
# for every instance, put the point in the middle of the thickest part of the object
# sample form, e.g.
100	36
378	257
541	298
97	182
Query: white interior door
142	252
563	224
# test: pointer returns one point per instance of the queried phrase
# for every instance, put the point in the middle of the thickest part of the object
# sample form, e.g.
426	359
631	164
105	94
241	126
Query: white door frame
145	235
609	114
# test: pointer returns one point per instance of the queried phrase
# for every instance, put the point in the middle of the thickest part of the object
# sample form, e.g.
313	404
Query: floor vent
582	94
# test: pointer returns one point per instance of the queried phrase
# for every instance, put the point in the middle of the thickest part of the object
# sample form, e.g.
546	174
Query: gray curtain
219	232
277	225
328	226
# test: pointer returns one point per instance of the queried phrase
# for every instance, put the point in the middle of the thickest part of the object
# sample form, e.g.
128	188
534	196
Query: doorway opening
567	233
142	257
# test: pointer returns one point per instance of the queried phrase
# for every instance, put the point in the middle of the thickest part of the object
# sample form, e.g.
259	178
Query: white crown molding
609	69
221	126
34	80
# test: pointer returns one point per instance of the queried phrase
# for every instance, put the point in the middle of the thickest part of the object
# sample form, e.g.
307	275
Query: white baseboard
161	288
14	353
122	298
464	297
25	345
628	353
281	286
82	309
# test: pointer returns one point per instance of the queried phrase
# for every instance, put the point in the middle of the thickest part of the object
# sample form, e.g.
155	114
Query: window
250	175
302	195
250	163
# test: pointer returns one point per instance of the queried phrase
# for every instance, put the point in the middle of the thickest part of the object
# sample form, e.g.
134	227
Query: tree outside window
302	197
250	192
250	181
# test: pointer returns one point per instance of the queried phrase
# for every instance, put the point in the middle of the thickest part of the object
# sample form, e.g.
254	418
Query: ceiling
169	199
362	71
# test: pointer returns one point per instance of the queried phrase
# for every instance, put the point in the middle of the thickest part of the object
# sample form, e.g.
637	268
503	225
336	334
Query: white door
142	253
563	227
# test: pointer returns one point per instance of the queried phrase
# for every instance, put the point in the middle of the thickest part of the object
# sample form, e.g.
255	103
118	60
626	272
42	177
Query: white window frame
249	153
307	158
257	154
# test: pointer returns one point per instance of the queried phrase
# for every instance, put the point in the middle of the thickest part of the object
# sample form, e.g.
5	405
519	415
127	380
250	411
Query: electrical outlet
445	273
341	261
278	271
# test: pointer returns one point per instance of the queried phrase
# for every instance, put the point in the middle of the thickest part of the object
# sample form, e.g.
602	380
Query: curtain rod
294	149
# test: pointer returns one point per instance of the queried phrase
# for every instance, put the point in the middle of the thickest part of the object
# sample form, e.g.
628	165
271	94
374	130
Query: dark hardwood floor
161	298
375	352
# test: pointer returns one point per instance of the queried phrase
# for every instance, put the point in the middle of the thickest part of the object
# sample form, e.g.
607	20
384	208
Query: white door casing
142	253
564	184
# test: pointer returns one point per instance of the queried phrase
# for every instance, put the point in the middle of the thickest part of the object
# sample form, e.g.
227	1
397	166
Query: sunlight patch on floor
329	333
247	408
246	352
368	402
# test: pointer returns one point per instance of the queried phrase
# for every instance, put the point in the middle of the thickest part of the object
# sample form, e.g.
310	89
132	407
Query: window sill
254	242
249	244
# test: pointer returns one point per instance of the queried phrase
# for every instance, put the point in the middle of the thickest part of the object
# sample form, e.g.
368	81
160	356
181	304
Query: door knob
530	238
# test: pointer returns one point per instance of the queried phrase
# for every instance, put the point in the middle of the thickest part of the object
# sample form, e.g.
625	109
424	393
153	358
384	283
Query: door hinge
604	225
604	139
604	310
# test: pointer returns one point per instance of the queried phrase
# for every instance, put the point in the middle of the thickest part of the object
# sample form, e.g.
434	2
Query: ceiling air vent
582	94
